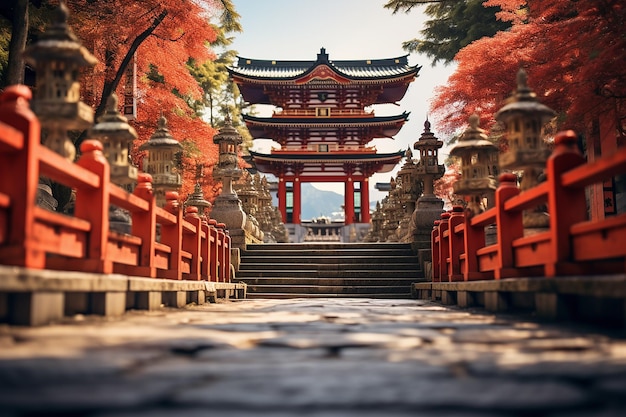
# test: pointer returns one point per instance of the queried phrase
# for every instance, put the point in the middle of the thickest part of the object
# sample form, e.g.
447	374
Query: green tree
454	25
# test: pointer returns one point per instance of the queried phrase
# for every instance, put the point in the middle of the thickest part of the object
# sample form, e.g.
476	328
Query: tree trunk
111	86
19	32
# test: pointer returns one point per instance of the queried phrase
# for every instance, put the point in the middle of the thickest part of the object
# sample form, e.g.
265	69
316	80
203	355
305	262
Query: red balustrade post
93	206
567	206
474	239
172	236
221	255
205	251
215	247
192	242
227	246
144	226
509	226
434	244
456	242
444	247
19	171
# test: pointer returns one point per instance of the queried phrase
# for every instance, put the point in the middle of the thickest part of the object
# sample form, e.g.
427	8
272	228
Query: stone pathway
310	357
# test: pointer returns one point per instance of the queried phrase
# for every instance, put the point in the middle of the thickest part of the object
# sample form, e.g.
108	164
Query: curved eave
254	88
310	163
260	127
299	123
289	75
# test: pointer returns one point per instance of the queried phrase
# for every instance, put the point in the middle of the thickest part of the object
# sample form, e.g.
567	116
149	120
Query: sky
348	29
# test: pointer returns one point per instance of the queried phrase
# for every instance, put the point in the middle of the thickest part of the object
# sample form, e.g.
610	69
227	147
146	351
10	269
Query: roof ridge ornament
322	56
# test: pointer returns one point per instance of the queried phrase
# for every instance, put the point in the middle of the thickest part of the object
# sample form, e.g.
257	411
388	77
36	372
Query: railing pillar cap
566	137
14	92
91	145
143	177
508	177
445	216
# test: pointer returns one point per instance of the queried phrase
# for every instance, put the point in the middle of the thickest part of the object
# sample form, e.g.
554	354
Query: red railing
572	244
189	247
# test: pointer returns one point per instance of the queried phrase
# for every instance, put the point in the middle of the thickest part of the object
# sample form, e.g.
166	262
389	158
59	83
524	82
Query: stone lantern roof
524	100
58	42
161	137
473	139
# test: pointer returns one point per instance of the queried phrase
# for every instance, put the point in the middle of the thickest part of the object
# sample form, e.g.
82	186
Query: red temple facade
322	125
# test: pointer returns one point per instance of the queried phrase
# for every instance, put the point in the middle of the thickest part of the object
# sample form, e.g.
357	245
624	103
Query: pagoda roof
390	125
311	161
371	69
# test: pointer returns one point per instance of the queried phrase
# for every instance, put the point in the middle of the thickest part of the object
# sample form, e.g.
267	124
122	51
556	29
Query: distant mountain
316	203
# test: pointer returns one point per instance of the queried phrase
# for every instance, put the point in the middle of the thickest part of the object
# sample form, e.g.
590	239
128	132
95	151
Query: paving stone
311	357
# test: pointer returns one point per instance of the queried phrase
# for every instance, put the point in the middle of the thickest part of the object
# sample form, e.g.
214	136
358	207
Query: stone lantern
196	199
227	206
58	57
523	118
428	207
163	161
479	168
227	169
410	185
116	136
428	168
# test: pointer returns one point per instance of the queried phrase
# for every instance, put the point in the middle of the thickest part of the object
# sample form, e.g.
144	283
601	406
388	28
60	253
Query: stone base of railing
594	299
38	297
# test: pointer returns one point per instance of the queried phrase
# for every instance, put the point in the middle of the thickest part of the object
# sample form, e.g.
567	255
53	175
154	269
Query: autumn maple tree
573	52
161	38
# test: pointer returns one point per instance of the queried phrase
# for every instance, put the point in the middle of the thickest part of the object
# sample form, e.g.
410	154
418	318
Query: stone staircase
371	270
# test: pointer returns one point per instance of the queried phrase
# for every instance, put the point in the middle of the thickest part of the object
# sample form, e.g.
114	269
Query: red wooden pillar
171	235
227	255
509	227
365	201
457	243
93	206
221	253
444	247
434	244
20	163
282	198
192	242
349	202
297	200
214	250
567	206
144	226
205	251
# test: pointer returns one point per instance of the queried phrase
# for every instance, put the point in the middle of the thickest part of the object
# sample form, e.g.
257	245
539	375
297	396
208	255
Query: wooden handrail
568	246
29	234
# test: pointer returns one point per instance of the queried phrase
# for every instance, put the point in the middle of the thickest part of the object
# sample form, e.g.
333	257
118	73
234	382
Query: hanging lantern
116	136
479	168
58	57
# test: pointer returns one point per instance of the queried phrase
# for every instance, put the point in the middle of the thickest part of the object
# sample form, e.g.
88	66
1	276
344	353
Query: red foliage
109	28
572	51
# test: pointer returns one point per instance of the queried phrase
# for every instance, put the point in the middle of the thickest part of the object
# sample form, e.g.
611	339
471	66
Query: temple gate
322	126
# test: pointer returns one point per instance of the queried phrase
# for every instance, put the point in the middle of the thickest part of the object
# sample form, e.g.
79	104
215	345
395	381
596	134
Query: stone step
378	270
330	289
334	259
297	267
377	253
409	273
322	246
337	281
277	295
